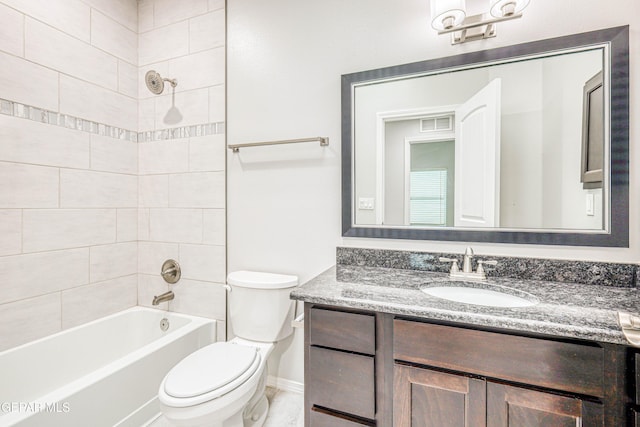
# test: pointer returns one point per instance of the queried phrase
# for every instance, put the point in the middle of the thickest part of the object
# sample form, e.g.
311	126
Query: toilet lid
210	368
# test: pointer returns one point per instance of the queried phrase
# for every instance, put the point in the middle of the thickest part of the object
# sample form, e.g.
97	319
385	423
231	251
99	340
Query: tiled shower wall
78	195
182	180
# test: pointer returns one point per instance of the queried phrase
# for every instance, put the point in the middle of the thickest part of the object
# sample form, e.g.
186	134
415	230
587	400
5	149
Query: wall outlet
589	205
365	203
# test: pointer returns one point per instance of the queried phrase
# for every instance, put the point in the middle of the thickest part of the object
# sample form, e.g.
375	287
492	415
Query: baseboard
284	384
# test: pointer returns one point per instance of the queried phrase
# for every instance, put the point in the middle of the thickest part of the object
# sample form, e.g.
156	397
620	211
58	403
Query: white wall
182	179
285	58
68	197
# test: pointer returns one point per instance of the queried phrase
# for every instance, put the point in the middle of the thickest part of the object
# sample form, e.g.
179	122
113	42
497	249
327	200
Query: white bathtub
104	373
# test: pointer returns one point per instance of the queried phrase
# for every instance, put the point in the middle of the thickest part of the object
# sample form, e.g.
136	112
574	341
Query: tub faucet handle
170	271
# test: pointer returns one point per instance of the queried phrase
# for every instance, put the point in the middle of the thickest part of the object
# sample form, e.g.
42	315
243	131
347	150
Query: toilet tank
259	305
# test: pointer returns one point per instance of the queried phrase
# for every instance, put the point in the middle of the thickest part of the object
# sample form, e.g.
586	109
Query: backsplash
567	271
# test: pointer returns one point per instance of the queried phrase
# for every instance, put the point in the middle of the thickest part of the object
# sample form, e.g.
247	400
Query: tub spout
167	296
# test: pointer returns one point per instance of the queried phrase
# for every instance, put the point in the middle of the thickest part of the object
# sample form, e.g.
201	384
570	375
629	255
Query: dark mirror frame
618	235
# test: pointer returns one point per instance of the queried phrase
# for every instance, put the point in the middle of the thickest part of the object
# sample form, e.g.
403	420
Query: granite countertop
567	310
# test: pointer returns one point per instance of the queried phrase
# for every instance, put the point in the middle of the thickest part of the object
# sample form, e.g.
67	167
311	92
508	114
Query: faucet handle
480	269
454	264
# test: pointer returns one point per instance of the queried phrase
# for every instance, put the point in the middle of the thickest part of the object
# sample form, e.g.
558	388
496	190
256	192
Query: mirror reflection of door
477	137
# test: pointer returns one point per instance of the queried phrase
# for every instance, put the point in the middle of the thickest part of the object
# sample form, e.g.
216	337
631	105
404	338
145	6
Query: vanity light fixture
449	16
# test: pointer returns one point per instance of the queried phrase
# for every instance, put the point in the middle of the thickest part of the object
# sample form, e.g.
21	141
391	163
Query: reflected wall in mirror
521	144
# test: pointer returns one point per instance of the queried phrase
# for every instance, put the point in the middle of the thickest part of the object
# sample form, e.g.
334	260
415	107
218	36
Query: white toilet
223	384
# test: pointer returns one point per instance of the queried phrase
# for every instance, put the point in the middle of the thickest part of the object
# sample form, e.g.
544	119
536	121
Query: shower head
155	82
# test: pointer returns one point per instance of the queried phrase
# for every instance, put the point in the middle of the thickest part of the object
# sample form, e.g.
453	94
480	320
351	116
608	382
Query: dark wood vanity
367	368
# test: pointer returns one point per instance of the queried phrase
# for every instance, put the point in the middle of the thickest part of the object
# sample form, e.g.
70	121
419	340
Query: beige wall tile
26	276
145	15
198	298
55	49
27	141
214	225
127	79
113	155
70	16
153	191
29	319
150	286
16	80
86	303
163	43
207	31
143	224
90	189
11	231
114	37
113	261
216	4
123	11
151	256
11	31
88	101
26	186
197	190
207	153
168	11
203	262
175	225
198	70
159	157
51	229
127	225
217	104
192	107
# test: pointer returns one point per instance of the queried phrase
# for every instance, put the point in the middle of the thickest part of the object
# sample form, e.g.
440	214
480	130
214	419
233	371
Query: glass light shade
443	9
517	6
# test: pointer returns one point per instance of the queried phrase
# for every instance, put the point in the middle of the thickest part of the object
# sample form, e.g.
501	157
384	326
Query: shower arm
172	82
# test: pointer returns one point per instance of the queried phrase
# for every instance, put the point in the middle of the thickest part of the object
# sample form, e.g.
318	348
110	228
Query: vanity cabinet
550	379
379	369
341	349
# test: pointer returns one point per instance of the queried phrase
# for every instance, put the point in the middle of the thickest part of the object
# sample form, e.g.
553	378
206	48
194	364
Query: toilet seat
209	373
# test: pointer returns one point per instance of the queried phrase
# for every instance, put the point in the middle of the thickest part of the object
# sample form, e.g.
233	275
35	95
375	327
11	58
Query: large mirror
524	144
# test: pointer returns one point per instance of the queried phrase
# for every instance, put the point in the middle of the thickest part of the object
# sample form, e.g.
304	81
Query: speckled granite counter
564	309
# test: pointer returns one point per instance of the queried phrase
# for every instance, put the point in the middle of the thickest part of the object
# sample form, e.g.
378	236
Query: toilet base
256	416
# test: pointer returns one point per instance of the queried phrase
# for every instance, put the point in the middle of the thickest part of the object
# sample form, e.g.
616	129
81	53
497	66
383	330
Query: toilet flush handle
227	287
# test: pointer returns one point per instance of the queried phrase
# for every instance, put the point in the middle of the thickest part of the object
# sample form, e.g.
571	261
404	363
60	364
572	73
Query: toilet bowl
223	384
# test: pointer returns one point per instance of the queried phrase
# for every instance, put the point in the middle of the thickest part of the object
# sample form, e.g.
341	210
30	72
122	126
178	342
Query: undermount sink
481	296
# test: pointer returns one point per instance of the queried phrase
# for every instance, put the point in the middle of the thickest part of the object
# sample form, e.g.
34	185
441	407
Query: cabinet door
426	398
509	406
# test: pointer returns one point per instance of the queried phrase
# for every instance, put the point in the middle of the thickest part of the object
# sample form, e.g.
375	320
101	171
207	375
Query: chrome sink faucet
467	272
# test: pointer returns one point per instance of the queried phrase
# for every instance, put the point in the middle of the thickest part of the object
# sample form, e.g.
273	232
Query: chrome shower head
155	82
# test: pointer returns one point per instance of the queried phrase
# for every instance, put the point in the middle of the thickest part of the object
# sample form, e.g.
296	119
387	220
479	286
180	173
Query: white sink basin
479	296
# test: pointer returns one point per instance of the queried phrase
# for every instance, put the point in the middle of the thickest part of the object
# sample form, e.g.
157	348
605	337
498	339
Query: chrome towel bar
322	140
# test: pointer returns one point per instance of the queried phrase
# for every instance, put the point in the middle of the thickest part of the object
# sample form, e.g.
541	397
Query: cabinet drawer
341	381
324	419
562	366
342	330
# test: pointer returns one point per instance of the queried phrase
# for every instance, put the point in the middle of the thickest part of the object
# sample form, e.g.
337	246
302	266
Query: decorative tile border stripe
16	109
182	132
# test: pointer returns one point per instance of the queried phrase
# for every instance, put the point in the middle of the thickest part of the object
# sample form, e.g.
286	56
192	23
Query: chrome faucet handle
454	264
480	269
